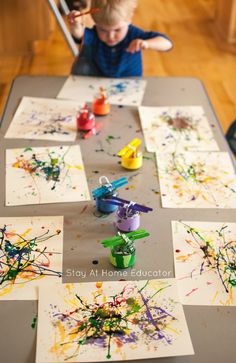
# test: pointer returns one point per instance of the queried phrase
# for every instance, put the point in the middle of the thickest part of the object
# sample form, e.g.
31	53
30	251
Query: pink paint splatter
191	292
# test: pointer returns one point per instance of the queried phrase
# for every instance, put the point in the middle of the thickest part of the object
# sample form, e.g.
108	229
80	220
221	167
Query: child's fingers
144	44
132	46
135	46
73	17
129	49
138	45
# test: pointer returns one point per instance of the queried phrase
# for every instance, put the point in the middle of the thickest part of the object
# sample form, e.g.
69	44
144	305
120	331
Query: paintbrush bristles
91	11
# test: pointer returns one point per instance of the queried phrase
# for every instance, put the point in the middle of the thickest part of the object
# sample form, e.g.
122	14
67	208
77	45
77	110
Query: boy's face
112	35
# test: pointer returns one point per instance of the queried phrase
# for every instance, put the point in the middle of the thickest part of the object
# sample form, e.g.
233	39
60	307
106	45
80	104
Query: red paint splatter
84	209
119	343
192	291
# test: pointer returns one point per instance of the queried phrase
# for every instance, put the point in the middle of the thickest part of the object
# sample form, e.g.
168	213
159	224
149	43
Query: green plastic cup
122	260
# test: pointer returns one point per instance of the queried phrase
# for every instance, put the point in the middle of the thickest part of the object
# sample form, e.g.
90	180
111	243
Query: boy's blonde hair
113	11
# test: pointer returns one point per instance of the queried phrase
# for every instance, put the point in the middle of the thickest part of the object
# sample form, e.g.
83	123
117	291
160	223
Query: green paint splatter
110	138
147	158
34	322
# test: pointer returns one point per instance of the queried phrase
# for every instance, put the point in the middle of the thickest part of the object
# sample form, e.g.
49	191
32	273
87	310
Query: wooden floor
196	53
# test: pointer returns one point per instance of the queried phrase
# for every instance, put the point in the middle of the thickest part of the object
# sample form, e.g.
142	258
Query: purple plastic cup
127	220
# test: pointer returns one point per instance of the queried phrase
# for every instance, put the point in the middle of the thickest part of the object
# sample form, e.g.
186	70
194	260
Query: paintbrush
94	131
90	11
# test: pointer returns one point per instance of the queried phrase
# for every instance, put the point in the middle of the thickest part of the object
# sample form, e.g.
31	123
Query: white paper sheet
45	175
30	255
44	119
127	92
197	180
205	262
92	322
172	129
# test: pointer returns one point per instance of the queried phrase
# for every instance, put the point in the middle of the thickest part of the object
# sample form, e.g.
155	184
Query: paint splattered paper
127	92
44	119
205	262
45	175
30	255
92	322
197	180
171	129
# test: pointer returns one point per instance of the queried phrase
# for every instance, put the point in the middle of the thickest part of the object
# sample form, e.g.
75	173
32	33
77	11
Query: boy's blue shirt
115	61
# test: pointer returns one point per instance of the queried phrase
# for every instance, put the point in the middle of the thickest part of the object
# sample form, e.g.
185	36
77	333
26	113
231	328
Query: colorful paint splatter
197	180
205	262
172	129
49	169
127	92
30	250
111	321
44	119
45	175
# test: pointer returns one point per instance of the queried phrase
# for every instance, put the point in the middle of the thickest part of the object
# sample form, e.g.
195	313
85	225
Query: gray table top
212	329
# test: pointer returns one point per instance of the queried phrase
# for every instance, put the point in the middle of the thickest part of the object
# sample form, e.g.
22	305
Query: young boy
112	48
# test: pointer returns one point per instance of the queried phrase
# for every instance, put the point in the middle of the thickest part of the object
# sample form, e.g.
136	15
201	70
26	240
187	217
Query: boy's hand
73	18
76	24
136	45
